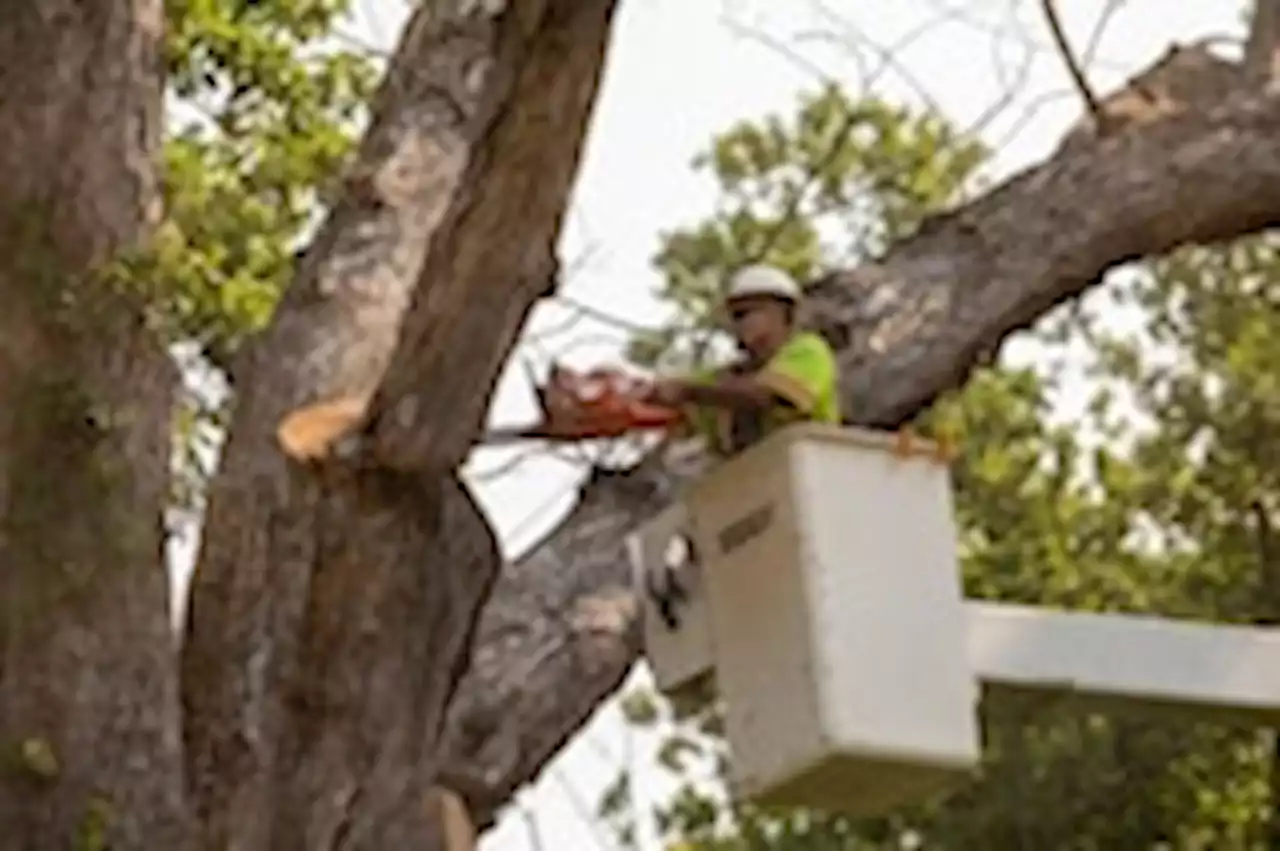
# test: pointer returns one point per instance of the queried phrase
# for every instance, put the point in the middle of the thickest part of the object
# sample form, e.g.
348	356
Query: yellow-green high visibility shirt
802	373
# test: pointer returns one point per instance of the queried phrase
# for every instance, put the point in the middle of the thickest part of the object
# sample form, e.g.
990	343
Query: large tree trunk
333	605
88	685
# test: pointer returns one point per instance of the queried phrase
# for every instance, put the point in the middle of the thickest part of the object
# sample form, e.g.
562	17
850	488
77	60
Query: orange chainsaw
599	403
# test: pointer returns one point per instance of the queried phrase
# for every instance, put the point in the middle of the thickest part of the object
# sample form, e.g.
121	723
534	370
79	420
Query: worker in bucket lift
786	374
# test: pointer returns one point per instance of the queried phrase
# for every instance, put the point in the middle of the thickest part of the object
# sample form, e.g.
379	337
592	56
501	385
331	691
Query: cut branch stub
338	323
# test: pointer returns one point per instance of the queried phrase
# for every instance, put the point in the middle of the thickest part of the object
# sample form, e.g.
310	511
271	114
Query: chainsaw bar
507	435
602	404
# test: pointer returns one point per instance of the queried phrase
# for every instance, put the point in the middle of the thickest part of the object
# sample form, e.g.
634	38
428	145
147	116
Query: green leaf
639	708
675	752
615	797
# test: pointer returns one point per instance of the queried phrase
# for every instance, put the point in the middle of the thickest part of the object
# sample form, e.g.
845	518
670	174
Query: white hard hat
761	280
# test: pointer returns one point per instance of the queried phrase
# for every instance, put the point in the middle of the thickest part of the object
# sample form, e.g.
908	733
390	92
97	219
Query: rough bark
88	675
337	320
559	635
497	247
333	605
1184	77
909	329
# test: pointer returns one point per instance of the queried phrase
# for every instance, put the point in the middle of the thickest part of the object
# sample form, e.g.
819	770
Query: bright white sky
680	71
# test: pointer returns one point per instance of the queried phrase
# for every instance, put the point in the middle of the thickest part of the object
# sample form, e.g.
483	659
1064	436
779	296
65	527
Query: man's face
759	324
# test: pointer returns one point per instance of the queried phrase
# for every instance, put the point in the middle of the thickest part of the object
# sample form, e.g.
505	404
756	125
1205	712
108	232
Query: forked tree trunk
333	604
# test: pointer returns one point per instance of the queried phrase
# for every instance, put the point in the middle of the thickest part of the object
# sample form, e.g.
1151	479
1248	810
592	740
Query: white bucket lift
827	602
827	609
661	558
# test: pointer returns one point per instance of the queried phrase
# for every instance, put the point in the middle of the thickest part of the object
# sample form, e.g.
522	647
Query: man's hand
736	392
669	392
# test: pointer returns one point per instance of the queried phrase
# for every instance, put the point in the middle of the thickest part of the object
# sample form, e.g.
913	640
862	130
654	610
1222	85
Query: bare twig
1029	112
530	819
1099	29
887	54
580	310
1068	58
974	22
518	460
355	42
564	326
583	810
601	338
777	46
1012	89
1262	51
583	310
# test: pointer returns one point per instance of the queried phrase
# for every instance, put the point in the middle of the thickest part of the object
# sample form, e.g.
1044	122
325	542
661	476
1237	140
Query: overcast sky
678	72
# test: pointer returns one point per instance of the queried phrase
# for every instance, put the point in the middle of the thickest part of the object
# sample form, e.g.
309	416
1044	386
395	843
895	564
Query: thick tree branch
920	321
338	321
908	329
497	244
562	619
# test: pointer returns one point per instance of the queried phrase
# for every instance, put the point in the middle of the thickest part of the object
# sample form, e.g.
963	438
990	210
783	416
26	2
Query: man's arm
796	376
737	392
803	372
